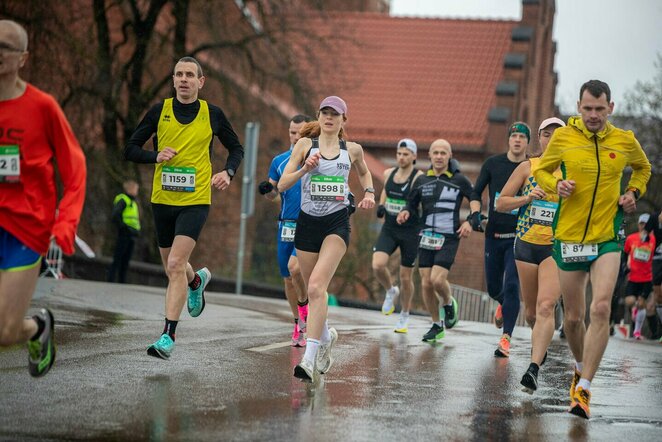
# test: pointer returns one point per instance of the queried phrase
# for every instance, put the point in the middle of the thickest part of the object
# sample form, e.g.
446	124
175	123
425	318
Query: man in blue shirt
295	288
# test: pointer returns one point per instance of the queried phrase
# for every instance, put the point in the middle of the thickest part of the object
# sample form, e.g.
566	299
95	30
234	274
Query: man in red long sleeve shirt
34	135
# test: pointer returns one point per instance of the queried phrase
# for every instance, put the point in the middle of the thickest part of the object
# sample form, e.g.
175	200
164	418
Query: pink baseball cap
549	121
335	103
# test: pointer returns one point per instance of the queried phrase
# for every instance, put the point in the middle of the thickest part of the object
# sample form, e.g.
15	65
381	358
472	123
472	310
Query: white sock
585	384
440	323
639	320
404	315
579	366
311	350
325	337
392	290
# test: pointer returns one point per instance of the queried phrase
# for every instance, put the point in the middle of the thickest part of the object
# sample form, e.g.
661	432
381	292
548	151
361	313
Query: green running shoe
450	314
162	348
41	351
196	298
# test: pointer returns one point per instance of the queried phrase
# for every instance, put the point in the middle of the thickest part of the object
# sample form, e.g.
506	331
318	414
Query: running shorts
406	238
170	221
312	230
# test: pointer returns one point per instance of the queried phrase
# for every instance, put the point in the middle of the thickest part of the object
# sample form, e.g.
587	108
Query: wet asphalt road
230	378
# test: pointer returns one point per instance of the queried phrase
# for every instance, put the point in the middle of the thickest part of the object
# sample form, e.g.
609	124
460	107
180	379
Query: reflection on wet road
230	378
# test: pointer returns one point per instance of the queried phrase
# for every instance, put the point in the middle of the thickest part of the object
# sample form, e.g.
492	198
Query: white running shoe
305	371
324	358
401	326
388	306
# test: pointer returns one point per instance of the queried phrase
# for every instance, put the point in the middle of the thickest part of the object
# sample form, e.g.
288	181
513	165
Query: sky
616	41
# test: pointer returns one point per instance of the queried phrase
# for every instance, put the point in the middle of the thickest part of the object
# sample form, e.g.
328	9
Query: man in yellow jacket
592	155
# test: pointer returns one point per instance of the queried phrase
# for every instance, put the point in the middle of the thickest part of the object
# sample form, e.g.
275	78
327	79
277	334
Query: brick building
462	80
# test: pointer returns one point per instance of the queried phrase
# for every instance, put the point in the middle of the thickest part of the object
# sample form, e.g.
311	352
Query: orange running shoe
503	350
575	380
580	403
498	317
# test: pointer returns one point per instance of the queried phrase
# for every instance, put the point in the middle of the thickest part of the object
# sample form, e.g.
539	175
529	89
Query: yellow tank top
534	224
185	180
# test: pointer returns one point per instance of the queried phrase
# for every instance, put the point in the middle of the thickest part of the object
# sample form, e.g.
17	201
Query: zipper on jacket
595	189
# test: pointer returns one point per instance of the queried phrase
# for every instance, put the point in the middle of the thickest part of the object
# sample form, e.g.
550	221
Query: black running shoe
529	381
434	334
450	314
42	350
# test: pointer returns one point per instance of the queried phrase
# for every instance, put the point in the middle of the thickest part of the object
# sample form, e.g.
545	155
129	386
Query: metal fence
475	305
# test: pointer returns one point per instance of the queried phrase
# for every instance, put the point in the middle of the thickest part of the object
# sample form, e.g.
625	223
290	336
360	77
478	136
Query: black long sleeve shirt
495	172
185	114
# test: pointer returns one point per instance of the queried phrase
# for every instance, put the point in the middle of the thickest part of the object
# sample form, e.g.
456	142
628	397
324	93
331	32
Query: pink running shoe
298	340
303	317
637	335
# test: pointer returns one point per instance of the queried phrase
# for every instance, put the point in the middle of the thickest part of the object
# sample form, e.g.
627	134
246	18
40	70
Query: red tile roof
419	78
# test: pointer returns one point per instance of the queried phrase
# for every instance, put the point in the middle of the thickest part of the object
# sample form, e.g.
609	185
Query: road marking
270	346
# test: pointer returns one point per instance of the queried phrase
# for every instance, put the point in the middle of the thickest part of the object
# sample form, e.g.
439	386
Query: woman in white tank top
323	167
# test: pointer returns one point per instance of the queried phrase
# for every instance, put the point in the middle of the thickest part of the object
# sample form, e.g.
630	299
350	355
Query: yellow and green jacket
596	163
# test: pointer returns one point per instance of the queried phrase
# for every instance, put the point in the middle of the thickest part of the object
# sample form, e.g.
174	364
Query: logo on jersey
166	118
405	186
343	166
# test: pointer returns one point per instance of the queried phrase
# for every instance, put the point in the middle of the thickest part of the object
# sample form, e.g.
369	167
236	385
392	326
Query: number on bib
431	240
578	252
327	188
394	206
641	254
543	212
10	164
287	231
178	179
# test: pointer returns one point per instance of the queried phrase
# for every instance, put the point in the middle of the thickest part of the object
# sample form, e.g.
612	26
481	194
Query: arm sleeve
73	173
641	168
549	162
466	188
226	134
481	182
148	126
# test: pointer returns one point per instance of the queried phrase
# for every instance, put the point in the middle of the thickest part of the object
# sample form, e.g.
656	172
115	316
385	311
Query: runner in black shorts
654	225
640	247
397	186
183	128
322	159
439	193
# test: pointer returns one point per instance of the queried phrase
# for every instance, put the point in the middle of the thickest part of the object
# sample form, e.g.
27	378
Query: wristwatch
230	173
635	192
369	190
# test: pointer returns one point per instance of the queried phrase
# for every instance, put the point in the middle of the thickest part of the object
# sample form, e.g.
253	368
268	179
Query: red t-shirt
35	123
640	257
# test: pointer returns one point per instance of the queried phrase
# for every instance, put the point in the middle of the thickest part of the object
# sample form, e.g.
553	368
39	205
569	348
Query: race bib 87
578	252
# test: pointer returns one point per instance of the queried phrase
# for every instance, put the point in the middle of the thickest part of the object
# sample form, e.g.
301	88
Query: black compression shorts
171	221
531	253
